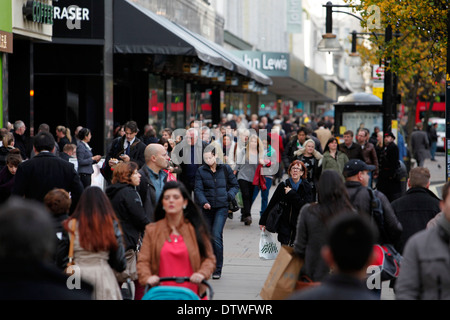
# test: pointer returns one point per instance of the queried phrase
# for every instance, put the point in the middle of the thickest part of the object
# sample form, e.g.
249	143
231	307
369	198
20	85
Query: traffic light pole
447	107
388	88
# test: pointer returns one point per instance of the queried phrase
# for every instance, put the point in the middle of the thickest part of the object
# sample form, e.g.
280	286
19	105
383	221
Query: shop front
179	75
108	62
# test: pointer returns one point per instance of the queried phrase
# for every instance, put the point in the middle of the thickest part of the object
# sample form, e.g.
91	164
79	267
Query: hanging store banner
294	16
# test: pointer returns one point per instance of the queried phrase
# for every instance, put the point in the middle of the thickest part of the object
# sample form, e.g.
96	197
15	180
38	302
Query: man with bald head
153	177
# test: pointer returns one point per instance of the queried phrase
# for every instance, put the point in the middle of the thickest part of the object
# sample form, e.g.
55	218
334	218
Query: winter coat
129	210
311	237
6	184
147	191
370	156
388	182
216	188
414	210
337	164
360	199
117	148
420	145
156	234
424	272
292	203
353	152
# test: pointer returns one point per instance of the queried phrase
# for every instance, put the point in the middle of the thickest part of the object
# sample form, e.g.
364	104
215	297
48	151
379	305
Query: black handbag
274	218
233	206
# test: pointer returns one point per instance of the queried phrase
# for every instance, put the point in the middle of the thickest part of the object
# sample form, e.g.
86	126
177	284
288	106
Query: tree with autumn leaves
417	53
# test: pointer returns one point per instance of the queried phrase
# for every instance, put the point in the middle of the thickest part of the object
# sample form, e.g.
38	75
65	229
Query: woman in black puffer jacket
292	194
215	187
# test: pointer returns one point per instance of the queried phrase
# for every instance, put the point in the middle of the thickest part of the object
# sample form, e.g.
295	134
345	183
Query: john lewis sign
275	64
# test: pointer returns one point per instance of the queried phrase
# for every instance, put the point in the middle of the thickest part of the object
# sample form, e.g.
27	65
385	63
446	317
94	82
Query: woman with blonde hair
246	166
63	137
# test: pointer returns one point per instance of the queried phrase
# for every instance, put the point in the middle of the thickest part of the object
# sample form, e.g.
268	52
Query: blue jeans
215	219
264	195
433	149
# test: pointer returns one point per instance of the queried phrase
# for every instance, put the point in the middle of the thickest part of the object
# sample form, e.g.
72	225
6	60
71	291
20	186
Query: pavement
244	273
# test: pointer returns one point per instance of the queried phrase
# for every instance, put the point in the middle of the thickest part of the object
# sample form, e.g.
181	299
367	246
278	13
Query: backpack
387	258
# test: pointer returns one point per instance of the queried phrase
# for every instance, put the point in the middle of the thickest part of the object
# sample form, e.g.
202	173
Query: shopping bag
283	275
267	246
239	200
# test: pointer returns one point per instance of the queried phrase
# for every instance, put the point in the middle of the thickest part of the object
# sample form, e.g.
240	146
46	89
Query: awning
138	30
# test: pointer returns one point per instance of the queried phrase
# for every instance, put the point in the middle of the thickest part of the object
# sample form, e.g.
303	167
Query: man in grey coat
425	269
420	145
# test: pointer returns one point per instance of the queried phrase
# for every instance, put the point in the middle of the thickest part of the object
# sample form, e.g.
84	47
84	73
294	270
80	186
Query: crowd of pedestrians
167	197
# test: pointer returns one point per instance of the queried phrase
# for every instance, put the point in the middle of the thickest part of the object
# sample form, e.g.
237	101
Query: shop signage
294	16
6	42
83	19
38	11
275	64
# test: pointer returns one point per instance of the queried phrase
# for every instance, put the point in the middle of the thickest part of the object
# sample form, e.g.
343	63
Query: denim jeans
215	219
433	149
264	195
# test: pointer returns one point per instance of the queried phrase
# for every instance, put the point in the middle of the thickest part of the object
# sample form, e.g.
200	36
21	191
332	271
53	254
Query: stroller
174	292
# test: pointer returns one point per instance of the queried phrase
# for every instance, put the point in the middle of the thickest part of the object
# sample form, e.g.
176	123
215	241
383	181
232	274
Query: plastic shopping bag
268	249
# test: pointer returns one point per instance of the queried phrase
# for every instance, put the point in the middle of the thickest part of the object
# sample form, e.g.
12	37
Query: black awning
138	30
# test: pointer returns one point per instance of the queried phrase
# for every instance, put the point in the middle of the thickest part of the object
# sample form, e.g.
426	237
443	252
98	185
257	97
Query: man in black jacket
357	179
126	148
45	171
153	177
418	206
388	181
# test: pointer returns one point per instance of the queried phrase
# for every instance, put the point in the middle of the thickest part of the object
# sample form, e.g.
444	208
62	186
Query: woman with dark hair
85	157
312	224
333	159
98	243
7	146
129	210
8	174
173	169
178	243
215	186
58	203
292	194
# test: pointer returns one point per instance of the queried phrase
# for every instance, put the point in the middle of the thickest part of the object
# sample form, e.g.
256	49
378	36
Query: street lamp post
326	45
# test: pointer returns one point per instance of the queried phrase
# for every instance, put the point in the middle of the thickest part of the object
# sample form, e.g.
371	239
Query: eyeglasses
296	169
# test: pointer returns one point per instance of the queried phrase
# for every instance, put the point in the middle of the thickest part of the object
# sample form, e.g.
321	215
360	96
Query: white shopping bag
268	249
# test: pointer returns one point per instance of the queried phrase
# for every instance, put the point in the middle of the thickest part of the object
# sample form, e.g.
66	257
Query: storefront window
175	110
234	103
156	115
201	105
